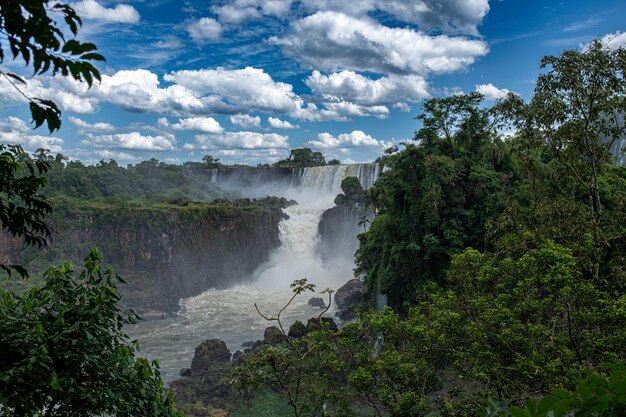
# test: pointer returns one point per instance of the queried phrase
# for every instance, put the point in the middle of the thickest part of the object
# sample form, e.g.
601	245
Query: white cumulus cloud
352	87
121	13
238	90
204	29
356	138
245	120
276	123
91	127
491	92
14	130
199	124
332	41
243	140
614	40
132	141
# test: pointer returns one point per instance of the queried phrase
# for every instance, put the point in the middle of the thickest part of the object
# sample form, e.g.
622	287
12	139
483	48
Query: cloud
138	91
355	88
68	94
132	141
245	120
238	91
332	41
121	13
276	123
199	124
457	16
237	12
614	41
16	131
244	10
241	140
491	92
356	138
92	127
205	29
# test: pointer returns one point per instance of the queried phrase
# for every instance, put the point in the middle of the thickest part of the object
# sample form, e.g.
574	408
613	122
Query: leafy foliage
34	36
302	157
286	368
595	395
436	198
63	351
22	207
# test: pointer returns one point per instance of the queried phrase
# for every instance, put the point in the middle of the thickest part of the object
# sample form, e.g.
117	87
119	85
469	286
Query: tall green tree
577	113
437	197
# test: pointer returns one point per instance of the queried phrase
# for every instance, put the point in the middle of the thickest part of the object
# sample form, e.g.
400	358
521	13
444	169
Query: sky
248	80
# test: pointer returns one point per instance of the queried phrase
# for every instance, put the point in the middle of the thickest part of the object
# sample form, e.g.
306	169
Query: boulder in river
208	354
317	302
273	336
297	329
348	298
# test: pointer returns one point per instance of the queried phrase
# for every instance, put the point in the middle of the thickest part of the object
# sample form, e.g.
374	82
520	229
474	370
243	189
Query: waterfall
230	314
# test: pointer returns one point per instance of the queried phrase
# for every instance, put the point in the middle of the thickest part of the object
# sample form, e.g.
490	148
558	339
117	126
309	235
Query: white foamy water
230	314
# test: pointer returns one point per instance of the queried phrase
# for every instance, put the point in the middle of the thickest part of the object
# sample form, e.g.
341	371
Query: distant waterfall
329	177
278	181
298	256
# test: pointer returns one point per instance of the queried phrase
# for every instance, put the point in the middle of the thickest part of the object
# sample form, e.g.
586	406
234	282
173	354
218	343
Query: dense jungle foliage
502	260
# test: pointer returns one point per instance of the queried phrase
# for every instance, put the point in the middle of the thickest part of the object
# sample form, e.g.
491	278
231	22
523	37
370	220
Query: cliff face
165	252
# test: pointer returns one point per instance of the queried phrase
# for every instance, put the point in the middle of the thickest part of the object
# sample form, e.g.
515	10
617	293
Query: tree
437	198
303	157
63	351
22	207
577	112
286	368
35	37
211	162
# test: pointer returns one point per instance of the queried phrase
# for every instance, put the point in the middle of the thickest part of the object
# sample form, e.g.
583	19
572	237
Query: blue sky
247	80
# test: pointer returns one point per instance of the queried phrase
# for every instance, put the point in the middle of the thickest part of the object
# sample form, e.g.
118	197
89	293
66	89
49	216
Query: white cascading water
230	314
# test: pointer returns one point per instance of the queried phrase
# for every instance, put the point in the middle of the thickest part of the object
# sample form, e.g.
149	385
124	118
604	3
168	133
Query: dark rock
185	372
257	344
316	324
298	329
208	354
247	344
273	336
238	358
317	302
350	294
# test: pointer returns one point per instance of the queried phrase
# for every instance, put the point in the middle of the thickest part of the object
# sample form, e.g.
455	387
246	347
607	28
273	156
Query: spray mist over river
229	314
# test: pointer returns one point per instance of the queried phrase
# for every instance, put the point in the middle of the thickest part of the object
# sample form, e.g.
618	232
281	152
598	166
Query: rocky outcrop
348	298
209	354
339	226
164	251
317	302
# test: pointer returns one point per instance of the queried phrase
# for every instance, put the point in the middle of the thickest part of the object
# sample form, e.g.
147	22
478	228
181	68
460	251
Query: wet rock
247	344
208	354
298	329
350	294
317	302
316	324
273	336
349	297
185	372
238	358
